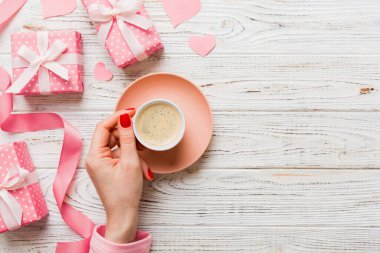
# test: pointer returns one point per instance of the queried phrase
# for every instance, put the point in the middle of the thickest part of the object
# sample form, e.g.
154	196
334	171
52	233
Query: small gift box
21	198
47	62
125	29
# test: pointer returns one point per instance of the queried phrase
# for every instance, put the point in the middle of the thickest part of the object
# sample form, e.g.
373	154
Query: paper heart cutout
8	9
202	45
53	8
179	11
101	73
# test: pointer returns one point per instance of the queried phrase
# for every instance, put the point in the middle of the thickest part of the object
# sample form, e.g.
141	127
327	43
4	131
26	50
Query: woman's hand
117	174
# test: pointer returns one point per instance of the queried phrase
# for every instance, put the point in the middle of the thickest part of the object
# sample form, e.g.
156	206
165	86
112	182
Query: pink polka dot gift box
125	29
47	62
21	198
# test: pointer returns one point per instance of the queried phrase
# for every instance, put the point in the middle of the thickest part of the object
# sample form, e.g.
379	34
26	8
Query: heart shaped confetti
202	45
179	11
101	73
8	9
54	8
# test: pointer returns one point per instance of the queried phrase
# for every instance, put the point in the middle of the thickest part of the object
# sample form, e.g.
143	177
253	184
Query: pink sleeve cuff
100	245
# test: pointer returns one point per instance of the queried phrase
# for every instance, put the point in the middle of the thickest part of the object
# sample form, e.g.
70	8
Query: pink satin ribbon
70	154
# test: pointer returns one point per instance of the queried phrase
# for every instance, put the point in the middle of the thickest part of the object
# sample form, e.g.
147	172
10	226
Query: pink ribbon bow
123	11
10	210
48	59
70	153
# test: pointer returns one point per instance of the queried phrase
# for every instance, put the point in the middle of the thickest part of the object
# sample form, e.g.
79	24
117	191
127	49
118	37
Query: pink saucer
195	108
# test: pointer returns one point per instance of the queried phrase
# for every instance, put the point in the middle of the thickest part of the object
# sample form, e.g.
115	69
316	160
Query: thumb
127	140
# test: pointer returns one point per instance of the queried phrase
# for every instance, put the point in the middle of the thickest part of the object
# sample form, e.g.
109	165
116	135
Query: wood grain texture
294	163
217	239
242	210
246	83
254	140
270	55
243	198
251	27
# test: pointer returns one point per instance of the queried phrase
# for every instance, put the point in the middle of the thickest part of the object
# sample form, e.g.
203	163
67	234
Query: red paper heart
202	45
181	10
101	73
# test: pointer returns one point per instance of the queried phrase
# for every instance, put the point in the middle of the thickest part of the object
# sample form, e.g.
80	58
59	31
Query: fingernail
125	120
130	109
150	174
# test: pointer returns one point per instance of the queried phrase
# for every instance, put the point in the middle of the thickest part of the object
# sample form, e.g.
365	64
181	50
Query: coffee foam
159	124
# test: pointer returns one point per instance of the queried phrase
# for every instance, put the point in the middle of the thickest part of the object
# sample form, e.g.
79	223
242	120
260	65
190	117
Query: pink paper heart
101	73
181	10
53	8
8	9
202	45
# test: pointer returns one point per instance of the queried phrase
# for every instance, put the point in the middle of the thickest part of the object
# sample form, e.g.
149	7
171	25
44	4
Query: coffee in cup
159	124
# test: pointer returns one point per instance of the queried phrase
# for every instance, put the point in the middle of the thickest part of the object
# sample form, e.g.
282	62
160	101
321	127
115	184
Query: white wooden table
294	161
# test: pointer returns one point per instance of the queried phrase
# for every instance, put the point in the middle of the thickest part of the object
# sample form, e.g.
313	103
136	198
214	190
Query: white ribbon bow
48	58
123	11
10	210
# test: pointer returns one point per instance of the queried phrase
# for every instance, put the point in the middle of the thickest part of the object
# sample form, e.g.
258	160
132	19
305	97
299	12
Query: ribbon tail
43	81
57	69
70	154
23	79
10	210
104	30
139	21
136	49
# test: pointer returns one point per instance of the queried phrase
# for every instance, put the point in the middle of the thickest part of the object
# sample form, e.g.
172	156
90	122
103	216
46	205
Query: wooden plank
225	210
242	198
250	27
276	62
247	83
254	140
215	239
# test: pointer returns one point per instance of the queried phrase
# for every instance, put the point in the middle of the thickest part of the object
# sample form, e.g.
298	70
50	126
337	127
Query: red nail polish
125	120
130	109
150	174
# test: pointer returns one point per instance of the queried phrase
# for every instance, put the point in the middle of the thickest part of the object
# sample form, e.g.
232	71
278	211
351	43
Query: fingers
116	153
115	140
146	170
127	141
101	136
112	141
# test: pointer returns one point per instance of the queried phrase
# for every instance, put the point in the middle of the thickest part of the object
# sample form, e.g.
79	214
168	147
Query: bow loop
28	54
10	210
128	6
124	11
14	178
54	51
48	58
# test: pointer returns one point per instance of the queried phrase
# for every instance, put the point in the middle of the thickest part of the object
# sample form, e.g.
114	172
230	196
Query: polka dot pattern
30	197
119	49
57	85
